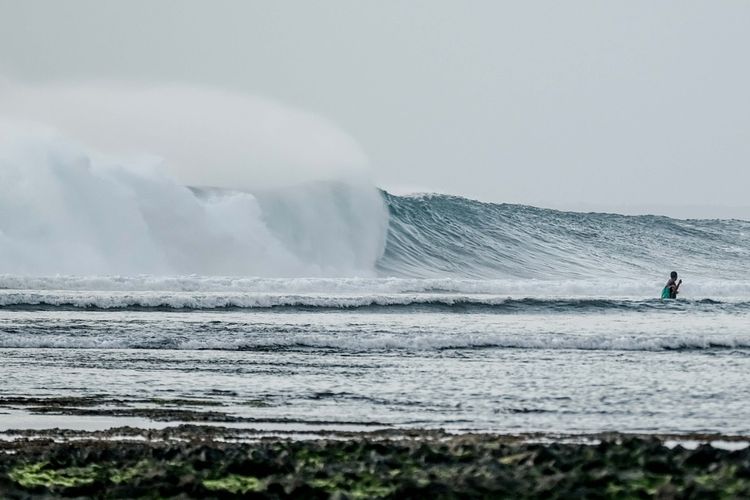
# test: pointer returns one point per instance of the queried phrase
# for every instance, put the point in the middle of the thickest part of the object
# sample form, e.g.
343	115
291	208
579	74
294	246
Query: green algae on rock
368	466
41	475
235	483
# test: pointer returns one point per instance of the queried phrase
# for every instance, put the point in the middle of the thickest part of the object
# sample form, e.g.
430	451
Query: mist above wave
201	136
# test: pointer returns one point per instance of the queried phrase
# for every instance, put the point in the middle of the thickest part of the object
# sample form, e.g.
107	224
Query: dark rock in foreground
429	466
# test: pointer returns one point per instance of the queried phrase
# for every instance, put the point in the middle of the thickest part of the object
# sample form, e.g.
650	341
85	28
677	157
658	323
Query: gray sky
633	106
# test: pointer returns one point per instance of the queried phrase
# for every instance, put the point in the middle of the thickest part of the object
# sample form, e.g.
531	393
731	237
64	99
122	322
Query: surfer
670	289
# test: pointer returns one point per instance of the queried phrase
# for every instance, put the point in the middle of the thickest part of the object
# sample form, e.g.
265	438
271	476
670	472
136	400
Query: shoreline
199	448
98	415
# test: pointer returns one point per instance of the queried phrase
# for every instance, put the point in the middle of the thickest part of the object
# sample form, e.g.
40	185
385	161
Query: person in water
671	288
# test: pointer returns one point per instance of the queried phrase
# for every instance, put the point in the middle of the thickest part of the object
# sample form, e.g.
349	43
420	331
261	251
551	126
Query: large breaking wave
106	227
63	214
89	221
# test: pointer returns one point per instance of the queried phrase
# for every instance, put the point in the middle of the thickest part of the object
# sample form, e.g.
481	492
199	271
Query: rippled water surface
559	365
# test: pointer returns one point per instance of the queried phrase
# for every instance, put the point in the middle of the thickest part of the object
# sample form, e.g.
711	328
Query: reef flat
190	461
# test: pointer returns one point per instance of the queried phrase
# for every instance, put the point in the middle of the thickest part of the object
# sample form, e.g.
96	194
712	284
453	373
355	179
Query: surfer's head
673	275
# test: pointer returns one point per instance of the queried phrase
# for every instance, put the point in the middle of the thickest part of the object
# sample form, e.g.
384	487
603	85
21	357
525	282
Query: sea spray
67	210
202	136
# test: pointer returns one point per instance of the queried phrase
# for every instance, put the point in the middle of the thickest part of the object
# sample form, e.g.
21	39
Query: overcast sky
633	106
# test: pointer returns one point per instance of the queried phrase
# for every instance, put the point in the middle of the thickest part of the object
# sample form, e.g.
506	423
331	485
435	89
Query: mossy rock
41	475
236	484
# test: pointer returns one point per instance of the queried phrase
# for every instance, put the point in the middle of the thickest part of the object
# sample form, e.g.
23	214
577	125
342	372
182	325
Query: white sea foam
62	211
366	287
255	300
385	342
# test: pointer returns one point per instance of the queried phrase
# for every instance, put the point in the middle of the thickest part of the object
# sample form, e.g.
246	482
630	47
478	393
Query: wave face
439	235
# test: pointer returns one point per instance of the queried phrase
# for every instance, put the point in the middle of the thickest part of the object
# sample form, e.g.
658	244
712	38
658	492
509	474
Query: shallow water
625	365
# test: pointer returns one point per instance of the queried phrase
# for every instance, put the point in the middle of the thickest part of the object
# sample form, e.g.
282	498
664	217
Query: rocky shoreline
204	461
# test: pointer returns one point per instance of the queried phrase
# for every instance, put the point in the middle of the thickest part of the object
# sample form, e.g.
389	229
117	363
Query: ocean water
328	304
